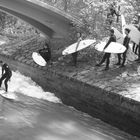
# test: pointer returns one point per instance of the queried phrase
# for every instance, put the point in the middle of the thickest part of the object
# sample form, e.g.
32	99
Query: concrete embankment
97	95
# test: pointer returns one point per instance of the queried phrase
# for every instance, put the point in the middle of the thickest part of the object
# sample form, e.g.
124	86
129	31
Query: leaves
93	13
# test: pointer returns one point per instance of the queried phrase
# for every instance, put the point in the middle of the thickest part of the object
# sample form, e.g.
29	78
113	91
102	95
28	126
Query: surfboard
83	44
113	47
134	33
123	24
119	35
8	95
38	59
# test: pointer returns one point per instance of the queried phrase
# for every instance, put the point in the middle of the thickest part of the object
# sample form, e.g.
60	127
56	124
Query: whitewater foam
24	85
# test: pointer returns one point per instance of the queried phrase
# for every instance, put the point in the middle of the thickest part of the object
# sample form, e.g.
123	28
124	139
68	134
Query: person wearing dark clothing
111	13
118	14
126	44
134	48
46	53
6	74
137	51
137	47
74	57
109	19
75	54
106	56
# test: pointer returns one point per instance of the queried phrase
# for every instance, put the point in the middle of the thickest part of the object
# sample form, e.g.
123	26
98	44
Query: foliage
6	20
92	13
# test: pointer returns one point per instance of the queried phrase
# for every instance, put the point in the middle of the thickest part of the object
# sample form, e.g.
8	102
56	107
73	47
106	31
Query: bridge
42	16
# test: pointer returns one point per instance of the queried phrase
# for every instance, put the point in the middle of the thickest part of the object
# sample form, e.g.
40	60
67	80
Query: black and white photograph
69	69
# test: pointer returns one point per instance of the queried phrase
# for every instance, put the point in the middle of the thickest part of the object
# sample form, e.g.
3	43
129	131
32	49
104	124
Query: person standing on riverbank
137	48
126	44
75	54
106	56
45	52
6	74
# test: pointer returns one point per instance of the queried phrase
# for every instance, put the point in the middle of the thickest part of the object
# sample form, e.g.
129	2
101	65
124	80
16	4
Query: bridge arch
47	19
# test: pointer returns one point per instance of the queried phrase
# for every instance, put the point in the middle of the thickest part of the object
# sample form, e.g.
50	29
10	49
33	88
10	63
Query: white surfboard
113	47
119	35
134	33
123	24
38	59
83	44
8	95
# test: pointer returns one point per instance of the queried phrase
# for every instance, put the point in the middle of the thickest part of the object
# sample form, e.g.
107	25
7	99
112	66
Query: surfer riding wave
6	74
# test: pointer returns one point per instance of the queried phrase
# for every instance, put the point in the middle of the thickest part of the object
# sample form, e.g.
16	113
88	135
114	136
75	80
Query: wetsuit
45	53
137	48
75	54
106	56
126	44
6	74
111	14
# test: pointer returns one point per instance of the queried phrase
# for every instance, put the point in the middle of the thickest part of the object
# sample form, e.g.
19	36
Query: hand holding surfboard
82	44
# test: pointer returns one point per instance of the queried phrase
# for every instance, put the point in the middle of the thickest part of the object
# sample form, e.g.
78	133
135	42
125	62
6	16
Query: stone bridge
42	16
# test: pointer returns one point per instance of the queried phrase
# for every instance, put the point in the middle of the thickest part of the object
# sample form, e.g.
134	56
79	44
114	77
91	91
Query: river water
39	115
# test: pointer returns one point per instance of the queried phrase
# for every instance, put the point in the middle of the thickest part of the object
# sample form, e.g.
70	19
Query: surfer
6	74
75	54
126	44
137	48
113	9
106	56
111	12
45	52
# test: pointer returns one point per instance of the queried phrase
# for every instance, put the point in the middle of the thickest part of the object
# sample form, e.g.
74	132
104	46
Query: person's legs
107	61
133	47
74	55
103	59
137	51
119	59
124	59
2	78
6	81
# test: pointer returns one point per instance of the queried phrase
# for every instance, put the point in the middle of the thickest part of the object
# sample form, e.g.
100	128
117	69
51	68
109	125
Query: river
39	115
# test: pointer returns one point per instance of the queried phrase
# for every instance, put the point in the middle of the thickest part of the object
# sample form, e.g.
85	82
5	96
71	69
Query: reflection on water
31	118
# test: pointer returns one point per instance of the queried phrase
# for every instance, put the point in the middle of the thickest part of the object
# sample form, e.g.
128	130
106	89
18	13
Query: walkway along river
39	115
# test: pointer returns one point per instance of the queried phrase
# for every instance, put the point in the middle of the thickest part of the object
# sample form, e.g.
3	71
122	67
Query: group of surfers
45	52
106	56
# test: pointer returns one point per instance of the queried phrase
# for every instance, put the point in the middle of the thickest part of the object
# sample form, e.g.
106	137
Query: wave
26	86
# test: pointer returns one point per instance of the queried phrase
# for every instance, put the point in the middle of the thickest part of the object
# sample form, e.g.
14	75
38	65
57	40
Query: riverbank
112	96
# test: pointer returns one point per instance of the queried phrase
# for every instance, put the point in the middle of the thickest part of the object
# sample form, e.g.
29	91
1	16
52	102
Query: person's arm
78	43
2	70
109	41
117	13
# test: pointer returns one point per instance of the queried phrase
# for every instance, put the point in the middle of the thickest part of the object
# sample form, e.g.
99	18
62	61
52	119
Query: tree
6	20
